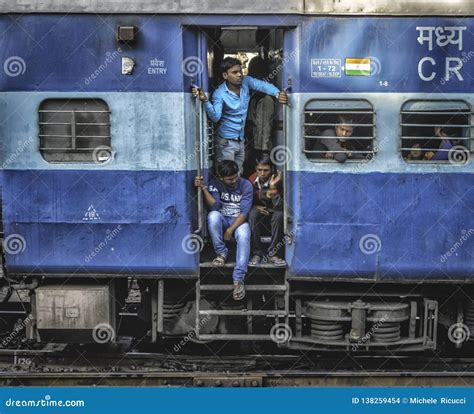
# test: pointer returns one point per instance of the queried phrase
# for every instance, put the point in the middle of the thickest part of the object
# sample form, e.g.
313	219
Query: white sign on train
326	68
157	67
440	37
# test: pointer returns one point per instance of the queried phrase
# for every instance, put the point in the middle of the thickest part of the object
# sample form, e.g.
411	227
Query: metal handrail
466	112
337	138
77	123
197	148
337	111
436	125
338	151
285	166
71	110
436	137
77	136
432	149
329	124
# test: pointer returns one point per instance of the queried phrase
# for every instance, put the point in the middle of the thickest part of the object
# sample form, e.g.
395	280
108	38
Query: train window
339	130
75	130
436	132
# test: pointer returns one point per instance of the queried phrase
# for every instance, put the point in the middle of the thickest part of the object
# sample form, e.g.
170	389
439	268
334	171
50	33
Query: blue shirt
442	155
230	109
232	202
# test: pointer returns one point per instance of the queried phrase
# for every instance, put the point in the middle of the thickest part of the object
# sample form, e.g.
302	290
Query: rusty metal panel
381	7
73	307
322	7
154	6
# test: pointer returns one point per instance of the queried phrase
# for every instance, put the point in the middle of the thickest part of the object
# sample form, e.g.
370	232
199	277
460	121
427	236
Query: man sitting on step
229	197
268	205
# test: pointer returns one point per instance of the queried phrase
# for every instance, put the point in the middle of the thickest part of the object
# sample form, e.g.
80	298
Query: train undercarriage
292	314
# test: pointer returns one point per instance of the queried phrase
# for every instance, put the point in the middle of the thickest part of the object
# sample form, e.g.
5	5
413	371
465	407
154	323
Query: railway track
68	366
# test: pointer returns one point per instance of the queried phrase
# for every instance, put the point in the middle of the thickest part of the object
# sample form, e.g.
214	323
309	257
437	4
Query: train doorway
261	51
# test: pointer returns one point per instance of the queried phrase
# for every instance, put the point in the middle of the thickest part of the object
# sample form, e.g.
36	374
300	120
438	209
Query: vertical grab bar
285	168
198	152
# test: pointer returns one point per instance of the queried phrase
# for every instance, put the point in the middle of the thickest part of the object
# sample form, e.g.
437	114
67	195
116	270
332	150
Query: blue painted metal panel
80	53
385	226
387	134
149	130
132	221
396	53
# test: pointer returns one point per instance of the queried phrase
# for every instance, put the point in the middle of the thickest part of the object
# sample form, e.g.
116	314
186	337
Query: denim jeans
217	224
230	149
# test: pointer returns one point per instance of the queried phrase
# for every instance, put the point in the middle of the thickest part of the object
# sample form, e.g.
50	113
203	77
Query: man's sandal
277	262
219	261
239	291
255	260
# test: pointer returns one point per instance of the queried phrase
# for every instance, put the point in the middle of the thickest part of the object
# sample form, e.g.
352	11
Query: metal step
231	265
248	288
234	337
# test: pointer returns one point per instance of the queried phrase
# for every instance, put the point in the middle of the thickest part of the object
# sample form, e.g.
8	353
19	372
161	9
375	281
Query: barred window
339	130
436	132
75	130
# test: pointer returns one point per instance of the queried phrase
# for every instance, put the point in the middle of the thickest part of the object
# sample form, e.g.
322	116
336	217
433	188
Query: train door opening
260	50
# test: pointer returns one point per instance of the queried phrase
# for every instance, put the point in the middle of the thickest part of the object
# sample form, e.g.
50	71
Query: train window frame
334	108
92	149
459	156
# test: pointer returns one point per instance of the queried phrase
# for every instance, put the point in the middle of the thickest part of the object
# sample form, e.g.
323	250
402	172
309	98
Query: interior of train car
260	49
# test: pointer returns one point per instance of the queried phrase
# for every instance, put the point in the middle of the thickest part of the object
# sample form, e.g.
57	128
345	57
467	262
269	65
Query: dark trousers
257	224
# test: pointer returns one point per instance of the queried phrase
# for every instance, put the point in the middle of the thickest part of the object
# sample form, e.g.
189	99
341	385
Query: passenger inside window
436	147
337	144
449	137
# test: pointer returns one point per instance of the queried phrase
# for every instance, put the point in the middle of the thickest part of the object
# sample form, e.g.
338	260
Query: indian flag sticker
357	67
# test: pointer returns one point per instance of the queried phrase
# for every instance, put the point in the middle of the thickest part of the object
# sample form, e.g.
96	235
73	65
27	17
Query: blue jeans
217	224
230	149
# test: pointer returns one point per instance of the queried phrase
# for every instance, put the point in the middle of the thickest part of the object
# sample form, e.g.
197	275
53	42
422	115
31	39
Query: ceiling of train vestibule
399	7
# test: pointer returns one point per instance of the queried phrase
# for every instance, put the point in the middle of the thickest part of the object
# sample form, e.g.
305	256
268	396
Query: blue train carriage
101	140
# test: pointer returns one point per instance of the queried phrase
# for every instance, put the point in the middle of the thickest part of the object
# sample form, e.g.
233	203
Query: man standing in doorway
229	106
